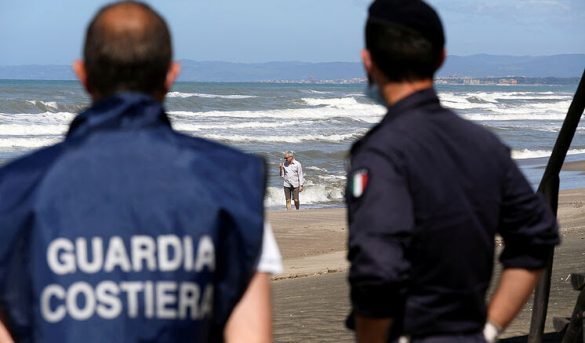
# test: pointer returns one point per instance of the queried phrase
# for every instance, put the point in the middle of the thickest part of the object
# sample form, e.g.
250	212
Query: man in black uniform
427	193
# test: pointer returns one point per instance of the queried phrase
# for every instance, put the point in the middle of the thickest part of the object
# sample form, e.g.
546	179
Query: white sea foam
493	101
510	117
462	103
40	118
554	128
187	127
495	97
347	103
316	168
204	95
526	153
537	108
27	130
369	113
548	128
312	194
312	91
331	178
49	104
336	138
15	143
467	106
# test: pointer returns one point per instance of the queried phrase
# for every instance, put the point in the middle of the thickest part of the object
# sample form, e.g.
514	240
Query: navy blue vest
128	231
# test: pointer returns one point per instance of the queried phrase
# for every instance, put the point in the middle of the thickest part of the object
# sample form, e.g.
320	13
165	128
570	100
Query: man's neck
97	97
393	92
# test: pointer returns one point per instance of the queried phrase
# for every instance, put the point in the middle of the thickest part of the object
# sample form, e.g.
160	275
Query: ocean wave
330	155
544	108
211	96
336	138
332	177
182	126
527	153
342	103
37	118
21	106
478	100
312	91
45	104
26	130
312	194
463	103
500	100
536	96
369	114
510	117
316	168
15	143
495	97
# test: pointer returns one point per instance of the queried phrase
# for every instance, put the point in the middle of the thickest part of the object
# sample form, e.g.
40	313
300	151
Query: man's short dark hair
402	54
132	54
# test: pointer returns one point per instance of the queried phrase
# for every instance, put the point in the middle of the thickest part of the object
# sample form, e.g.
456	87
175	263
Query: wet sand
311	296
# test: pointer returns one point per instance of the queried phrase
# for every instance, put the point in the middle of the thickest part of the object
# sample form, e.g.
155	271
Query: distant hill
568	65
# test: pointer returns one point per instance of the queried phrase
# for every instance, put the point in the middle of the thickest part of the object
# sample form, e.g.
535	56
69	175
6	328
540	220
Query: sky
51	32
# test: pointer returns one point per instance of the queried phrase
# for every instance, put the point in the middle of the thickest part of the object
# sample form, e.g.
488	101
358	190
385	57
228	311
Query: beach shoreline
313	241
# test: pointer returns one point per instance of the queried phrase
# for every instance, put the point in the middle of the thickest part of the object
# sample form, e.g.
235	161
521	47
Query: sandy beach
311	296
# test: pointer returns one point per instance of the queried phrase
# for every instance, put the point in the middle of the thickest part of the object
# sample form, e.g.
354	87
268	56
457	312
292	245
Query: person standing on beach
128	231
427	192
292	173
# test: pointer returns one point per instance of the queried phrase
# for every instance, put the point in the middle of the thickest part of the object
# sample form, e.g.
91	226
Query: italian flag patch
359	182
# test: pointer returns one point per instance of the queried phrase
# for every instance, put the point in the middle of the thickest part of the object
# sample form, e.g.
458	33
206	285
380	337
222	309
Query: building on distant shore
471	81
507	82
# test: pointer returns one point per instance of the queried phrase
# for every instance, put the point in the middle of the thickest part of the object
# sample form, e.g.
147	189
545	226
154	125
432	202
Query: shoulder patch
359	182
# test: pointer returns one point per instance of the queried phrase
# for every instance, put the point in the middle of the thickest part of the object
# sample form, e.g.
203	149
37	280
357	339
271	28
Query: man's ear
172	74
81	73
372	70
367	61
442	58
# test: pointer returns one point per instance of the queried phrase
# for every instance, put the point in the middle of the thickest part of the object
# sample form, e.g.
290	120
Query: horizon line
303	62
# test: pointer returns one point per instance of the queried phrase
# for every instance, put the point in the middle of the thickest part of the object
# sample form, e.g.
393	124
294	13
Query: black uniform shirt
427	193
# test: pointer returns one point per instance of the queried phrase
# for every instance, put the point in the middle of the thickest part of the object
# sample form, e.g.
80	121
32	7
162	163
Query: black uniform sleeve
380	224
527	224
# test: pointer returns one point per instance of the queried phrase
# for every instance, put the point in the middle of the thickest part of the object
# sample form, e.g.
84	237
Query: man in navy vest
427	193
128	231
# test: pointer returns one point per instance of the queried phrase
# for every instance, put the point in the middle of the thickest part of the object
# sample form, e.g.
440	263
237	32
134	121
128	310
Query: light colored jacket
292	173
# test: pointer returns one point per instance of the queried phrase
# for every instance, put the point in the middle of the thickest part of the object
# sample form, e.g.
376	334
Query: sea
319	122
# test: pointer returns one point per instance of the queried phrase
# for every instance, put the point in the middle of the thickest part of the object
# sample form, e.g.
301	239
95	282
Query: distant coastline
507	81
352	81
475	69
456	80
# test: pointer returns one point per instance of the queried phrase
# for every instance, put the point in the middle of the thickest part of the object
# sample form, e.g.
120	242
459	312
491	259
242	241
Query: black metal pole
549	186
542	291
